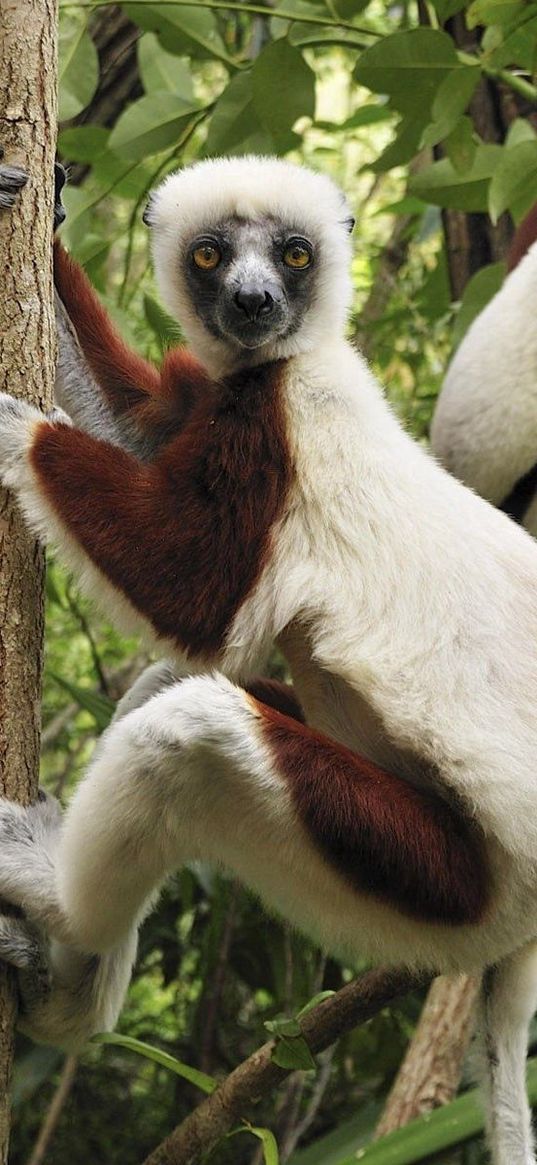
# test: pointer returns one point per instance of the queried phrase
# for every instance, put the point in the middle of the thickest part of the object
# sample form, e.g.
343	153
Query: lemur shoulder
260	490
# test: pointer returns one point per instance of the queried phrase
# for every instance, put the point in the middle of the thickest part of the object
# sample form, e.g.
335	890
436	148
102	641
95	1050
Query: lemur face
252	256
250	281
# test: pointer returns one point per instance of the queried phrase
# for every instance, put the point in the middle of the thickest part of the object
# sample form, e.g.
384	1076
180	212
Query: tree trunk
430	1073
27	348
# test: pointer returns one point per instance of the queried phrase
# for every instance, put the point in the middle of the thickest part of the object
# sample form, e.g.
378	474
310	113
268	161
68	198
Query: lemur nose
254	300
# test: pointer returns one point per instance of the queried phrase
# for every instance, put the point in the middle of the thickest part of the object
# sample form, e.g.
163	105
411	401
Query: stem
514	81
224	6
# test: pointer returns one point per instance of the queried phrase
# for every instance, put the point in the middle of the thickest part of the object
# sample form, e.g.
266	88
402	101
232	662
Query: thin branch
223	6
515	82
255	1077
48	1128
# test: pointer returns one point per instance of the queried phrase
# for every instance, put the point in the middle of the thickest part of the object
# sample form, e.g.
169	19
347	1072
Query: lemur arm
184	538
138	396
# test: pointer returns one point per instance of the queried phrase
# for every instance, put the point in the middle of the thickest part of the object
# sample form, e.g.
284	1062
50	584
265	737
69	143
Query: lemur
485	425
260	491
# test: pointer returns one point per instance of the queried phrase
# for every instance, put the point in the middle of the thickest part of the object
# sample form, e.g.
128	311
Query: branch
28	78
430	1072
322	1026
57	1104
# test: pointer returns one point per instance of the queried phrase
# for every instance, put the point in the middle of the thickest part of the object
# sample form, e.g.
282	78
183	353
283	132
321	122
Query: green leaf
514	182
100	707
292	1052
234	127
78	65
428	1135
408	66
164	326
282	1026
163	72
367	115
189	31
517	48
403	147
477	293
520	130
283	87
268	1140
349	1136
461	146
150	125
442	185
199	1079
83	143
446	8
451	100
493	11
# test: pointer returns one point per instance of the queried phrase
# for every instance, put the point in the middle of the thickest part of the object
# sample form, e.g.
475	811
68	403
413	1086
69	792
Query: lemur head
252	256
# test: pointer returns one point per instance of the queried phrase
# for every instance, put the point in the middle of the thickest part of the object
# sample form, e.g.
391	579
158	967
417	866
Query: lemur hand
13	178
17	423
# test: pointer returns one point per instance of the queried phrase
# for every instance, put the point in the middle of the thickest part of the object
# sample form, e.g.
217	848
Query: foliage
395	103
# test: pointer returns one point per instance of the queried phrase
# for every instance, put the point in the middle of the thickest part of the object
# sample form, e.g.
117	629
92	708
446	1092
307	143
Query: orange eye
207	256
297	256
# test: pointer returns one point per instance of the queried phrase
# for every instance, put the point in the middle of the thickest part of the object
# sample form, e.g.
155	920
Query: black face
250	282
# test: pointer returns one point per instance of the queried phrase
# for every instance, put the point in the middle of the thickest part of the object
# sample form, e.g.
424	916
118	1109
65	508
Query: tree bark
27	348
430	1073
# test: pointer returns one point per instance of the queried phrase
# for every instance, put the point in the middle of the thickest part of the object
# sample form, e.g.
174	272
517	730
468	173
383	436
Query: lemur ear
349	223
147	216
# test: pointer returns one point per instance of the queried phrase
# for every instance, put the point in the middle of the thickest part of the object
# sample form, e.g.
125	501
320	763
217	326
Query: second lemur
260	491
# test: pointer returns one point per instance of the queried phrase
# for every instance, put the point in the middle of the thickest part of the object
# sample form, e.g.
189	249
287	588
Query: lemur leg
204	770
508	1001
65	995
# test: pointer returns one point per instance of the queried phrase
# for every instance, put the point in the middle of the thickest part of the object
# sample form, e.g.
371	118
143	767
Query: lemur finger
12	180
60	178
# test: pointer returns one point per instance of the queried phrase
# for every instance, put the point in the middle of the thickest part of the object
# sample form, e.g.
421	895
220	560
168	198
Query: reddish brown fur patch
153	400
387	838
186	538
525	236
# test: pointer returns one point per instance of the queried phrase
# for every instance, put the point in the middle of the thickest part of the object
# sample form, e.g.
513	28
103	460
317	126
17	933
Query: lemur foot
23	947
28	840
12	180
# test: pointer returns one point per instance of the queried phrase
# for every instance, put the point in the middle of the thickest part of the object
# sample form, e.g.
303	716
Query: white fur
485	425
407	609
207	193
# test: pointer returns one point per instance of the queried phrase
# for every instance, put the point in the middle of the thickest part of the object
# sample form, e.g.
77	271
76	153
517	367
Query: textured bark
255	1077
430	1073
27	129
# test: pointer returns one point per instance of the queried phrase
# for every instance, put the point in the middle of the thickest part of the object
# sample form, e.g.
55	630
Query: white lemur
485	425
268	495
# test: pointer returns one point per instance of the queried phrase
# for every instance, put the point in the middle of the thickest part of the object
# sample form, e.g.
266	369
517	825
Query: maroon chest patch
187	537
